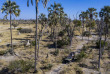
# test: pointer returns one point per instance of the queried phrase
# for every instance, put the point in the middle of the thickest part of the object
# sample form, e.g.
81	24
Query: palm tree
92	14
42	20
61	14
100	37
106	12
10	8
54	13
83	16
36	6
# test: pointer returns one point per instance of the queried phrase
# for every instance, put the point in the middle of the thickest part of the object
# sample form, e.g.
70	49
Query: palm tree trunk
53	33
100	35
55	39
89	32
83	29
36	36
38	43
105	37
11	36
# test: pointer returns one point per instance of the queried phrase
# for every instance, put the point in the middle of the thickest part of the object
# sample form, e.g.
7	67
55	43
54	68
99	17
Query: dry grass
28	53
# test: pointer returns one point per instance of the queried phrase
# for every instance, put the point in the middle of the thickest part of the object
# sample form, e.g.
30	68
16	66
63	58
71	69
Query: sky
71	7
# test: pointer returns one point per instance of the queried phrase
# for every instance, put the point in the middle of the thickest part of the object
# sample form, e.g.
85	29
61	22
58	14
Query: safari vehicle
70	57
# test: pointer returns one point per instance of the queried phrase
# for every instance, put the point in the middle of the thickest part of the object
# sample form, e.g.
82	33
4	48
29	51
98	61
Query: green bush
25	31
2	52
61	43
86	33
14	25
81	56
33	43
102	44
20	66
19	28
61	33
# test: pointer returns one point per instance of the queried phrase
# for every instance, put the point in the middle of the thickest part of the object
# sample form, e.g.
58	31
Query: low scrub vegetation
80	56
19	29
2	52
102	43
47	67
20	66
61	43
25	31
78	70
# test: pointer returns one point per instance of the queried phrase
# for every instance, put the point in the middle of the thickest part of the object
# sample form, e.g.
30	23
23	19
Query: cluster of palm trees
89	18
56	18
10	8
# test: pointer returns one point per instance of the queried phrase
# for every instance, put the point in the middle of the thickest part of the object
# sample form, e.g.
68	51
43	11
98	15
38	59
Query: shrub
19	28
47	67
86	33
61	33
61	43
81	56
33	43
25	31
20	66
78	70
102	43
14	25
2	52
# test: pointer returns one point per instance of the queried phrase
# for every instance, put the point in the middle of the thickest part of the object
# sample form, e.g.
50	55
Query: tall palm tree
100	37
10	8
36	6
61	14
92	14
42	20
54	13
106	12
82	17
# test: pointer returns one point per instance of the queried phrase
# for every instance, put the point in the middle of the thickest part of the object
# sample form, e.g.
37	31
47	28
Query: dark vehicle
70	57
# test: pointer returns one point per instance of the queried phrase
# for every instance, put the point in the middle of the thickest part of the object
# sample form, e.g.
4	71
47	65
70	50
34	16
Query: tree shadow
93	47
20	39
46	40
50	46
30	36
6	71
94	65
